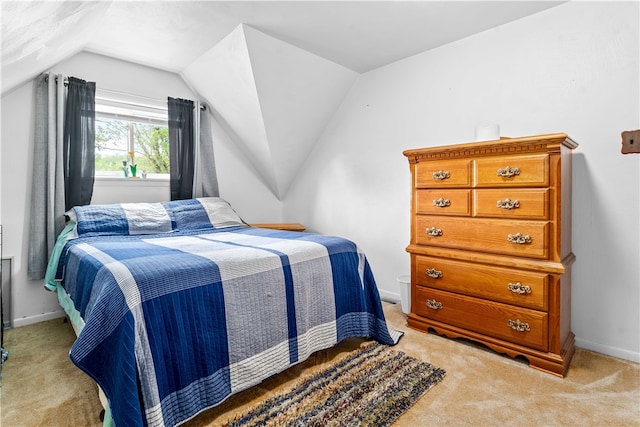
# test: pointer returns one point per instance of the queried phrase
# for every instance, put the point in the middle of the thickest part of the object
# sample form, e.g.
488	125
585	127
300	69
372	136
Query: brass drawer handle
441	175
441	203
519	239
433	273
519	326
508	172
508	204
433	304
519	288
433	232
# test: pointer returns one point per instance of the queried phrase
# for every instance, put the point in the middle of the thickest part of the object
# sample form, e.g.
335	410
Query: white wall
574	69
238	183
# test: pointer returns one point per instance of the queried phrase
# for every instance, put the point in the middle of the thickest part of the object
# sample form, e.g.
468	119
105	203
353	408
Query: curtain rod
203	107
116	92
66	81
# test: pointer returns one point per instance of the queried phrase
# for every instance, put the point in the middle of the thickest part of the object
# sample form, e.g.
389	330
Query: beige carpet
41	387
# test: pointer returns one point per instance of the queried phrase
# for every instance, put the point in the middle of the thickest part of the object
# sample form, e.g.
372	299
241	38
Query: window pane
151	146
117	138
112	138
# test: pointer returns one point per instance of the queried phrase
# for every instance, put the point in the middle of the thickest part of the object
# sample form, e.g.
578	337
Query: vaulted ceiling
274	72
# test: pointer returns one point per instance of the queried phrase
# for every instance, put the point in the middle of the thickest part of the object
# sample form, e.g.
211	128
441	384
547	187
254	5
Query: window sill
109	181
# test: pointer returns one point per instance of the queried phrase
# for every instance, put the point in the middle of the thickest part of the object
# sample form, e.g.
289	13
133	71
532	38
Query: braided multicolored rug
372	386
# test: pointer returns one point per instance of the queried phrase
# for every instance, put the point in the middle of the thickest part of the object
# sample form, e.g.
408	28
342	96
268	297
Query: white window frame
132	108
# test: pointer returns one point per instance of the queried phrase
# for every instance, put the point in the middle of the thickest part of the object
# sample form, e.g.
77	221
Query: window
132	140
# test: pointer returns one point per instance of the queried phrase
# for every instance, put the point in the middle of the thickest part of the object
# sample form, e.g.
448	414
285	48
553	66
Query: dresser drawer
532	203
519	238
446	173
514	324
513	171
523	288
443	202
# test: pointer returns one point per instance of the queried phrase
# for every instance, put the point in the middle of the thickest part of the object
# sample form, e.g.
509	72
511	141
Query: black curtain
181	148
79	142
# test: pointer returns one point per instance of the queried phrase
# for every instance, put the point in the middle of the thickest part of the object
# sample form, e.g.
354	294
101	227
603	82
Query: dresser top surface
503	145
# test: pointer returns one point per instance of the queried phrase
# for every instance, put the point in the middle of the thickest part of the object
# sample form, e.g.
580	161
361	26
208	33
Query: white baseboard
385	296
620	353
389	296
29	320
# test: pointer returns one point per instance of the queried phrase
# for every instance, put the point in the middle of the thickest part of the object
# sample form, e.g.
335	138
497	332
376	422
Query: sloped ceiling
273	71
275	97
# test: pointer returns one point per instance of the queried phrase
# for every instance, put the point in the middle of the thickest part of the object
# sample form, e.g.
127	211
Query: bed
178	305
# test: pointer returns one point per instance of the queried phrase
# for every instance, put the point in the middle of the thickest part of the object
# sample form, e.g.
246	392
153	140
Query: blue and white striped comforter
175	323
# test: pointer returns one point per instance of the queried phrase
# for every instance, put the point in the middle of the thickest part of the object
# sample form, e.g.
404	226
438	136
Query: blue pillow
203	213
121	219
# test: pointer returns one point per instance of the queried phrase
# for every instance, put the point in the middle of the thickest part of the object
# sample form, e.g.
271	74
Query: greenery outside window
132	140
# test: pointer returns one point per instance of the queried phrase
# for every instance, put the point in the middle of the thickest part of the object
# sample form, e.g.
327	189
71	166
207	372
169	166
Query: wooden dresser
491	245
